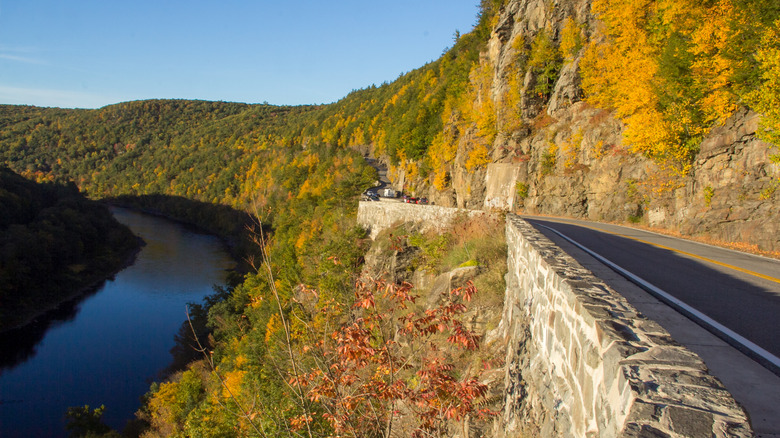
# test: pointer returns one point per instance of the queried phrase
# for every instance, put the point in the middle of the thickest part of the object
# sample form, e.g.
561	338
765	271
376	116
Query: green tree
83	422
545	61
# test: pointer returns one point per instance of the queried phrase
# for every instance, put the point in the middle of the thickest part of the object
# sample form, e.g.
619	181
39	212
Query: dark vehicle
370	196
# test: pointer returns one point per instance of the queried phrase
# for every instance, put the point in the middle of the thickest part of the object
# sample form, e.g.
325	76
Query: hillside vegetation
671	72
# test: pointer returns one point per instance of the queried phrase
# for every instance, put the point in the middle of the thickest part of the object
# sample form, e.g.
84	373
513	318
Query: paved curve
738	290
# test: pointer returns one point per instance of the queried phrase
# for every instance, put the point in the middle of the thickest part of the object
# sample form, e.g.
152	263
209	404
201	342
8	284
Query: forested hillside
53	242
658	112
562	93
671	71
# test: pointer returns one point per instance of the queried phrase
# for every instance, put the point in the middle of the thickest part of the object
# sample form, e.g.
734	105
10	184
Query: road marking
755	352
657	245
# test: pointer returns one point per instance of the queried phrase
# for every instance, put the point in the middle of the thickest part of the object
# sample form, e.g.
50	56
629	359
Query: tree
571	39
545	61
83	422
766	98
392	368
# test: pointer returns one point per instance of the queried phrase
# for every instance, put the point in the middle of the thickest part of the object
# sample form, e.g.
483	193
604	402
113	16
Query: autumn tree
673	69
392	368
571	39
545	61
766	98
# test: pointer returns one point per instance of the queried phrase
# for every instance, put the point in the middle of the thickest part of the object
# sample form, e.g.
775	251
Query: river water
107	348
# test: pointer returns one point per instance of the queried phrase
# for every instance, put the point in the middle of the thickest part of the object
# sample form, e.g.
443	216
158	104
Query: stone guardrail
377	216
581	361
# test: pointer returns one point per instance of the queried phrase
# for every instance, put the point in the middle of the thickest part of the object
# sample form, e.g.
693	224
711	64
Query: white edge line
689	311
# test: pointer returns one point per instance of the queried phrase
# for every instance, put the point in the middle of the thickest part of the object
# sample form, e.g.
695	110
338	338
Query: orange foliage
369	370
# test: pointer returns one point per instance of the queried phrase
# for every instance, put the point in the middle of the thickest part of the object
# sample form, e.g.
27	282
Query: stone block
677	356
634	430
690	422
643	411
591	356
588	396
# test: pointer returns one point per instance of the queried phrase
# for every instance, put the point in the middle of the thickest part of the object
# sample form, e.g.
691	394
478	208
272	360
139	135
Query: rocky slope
568	158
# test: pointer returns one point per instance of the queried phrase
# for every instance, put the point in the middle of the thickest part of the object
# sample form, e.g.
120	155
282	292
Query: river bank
90	284
109	346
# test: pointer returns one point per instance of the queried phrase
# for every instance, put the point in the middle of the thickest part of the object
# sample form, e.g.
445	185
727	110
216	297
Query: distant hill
565	95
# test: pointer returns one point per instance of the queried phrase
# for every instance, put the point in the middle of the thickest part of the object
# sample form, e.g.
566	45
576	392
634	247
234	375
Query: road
381	173
738	290
382	182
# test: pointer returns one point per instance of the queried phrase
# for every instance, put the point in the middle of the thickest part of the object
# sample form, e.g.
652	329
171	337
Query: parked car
388	193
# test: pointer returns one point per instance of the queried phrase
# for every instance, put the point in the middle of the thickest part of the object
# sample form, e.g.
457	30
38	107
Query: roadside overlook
655	113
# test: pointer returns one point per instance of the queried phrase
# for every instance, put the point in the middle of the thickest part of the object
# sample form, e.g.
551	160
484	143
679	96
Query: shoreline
91	286
230	242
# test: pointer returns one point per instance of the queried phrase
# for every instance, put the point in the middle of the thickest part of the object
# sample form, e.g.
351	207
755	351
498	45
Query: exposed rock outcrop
568	158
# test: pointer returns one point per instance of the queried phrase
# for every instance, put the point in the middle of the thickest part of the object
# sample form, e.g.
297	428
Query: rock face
500	183
569	158
733	192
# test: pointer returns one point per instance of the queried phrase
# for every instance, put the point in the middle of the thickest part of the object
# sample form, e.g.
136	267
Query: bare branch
244	413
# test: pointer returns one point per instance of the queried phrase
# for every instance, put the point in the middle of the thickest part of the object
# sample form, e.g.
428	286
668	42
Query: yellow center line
725	265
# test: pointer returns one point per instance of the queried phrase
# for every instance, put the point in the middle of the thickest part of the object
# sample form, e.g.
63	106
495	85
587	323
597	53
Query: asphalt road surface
381	173
737	290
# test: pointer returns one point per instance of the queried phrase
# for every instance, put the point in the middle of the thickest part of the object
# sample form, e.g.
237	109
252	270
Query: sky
92	53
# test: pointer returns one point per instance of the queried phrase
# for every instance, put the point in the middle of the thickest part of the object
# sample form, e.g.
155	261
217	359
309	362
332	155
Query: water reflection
106	348
19	345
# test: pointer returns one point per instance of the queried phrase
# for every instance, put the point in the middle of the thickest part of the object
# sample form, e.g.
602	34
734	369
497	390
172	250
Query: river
107	348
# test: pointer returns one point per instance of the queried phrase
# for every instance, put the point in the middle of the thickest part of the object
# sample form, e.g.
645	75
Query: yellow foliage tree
571	150
478	110
478	157
766	98
571	39
673	69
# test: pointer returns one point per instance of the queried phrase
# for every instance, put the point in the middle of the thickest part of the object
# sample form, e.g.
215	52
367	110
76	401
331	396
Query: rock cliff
568	158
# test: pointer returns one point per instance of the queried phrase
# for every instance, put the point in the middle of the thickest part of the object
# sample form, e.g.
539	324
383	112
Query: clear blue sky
91	53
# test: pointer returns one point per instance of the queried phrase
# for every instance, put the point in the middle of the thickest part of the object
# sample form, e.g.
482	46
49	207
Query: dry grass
542	120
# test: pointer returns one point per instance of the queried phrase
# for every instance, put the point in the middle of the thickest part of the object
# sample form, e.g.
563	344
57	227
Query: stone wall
377	216
581	361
